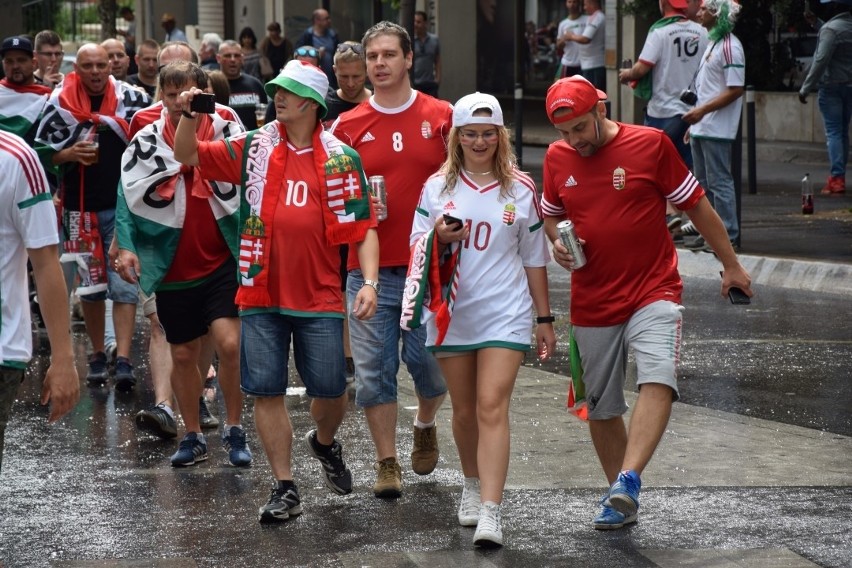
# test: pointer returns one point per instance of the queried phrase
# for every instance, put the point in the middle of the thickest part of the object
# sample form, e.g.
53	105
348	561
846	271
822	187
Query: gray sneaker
282	504
157	421
206	417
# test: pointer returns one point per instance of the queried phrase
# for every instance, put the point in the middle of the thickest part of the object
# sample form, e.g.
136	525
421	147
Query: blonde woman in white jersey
501	252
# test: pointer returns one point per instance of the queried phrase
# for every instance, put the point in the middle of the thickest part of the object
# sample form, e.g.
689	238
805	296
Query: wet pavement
752	471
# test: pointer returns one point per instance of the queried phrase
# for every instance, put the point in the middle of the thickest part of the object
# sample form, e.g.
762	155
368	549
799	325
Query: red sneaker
836	185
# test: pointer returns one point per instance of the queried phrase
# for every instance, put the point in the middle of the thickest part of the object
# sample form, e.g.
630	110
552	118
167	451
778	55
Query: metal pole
737	174
519	121
752	140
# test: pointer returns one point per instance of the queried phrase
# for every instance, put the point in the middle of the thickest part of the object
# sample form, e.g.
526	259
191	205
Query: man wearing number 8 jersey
400	134
666	67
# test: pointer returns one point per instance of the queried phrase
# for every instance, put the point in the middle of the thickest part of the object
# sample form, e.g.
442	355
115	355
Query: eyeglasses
470	136
307	52
356	47
51	53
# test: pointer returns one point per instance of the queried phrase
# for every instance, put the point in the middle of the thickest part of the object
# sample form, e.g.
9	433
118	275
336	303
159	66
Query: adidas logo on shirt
571	182
368	137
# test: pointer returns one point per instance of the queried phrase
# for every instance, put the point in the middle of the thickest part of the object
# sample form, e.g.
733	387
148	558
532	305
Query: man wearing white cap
303	194
628	293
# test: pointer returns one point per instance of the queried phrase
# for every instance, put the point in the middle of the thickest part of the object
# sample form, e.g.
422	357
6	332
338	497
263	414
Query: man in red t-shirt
174	233
303	193
605	174
401	134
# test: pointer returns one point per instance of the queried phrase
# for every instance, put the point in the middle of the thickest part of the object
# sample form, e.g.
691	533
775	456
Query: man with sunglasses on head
351	72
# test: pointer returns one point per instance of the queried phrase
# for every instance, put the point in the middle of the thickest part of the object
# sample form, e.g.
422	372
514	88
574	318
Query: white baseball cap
465	107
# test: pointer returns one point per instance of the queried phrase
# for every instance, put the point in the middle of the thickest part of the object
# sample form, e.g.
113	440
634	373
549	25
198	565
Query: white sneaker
489	531
469	505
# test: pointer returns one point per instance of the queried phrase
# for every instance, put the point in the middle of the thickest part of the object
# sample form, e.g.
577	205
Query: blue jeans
835	105
674	127
375	345
317	351
712	161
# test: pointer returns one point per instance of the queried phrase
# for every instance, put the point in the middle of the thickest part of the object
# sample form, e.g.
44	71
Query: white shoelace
489	519
469	506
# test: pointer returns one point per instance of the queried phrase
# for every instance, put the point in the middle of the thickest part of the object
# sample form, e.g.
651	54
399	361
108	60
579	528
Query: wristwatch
374	284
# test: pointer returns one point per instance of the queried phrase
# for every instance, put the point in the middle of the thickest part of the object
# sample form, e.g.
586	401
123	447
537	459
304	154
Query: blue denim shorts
375	345
118	289
317	351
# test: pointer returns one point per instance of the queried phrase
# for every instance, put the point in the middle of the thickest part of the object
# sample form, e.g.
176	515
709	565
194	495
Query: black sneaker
283	504
98	374
338	478
206	417
124	378
157	421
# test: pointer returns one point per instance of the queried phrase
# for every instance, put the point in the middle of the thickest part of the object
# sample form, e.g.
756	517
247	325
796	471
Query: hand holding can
569	239
379	191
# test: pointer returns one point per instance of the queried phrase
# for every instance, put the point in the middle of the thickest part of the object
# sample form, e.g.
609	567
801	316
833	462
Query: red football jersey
406	145
616	199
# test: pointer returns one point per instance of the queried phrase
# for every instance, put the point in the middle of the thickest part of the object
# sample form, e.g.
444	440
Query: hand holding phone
453	222
737	296
203	102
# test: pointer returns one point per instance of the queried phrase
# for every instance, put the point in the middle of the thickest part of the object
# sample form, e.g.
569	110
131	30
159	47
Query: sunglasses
356	47
307	52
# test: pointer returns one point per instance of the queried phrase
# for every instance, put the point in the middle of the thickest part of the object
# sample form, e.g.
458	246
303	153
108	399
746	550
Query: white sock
471	484
423	425
168	409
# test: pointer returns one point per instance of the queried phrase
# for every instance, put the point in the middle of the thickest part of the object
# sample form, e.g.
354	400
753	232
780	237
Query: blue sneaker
98	372
124	378
234	441
624	493
610	519
192	449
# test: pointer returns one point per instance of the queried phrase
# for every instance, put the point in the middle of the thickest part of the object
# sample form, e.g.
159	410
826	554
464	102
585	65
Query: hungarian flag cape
152	197
346	207
21	106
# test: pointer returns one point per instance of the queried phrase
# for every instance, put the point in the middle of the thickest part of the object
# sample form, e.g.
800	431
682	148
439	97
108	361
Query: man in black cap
21	98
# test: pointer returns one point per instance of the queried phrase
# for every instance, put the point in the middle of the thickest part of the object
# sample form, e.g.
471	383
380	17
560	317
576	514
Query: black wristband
545	319
186	114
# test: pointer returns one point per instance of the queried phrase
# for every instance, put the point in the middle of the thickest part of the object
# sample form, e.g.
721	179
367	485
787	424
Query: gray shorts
654	334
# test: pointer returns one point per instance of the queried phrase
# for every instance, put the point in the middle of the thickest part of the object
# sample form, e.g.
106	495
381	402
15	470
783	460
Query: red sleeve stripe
28	161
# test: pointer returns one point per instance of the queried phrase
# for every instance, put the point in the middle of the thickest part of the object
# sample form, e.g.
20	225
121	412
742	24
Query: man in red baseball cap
613	181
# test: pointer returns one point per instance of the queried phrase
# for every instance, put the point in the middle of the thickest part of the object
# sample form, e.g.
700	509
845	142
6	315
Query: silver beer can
377	188
565	230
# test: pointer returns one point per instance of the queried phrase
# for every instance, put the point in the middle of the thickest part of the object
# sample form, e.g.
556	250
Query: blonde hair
504	161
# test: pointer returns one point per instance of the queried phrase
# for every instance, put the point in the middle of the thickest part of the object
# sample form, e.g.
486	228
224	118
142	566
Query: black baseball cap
16	43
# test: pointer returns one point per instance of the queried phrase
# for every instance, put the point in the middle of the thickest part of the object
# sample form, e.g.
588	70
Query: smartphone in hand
454	222
203	102
737	296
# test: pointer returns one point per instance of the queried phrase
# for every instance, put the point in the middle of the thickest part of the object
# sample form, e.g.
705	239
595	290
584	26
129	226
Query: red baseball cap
678	4
575	93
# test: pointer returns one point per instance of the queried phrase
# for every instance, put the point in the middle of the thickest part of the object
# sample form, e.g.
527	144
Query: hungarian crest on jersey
426	130
509	214
619	178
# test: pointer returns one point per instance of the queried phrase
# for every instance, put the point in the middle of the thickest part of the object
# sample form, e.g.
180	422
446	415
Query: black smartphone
203	102
737	296
450	220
